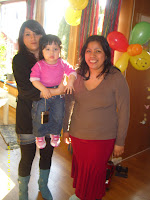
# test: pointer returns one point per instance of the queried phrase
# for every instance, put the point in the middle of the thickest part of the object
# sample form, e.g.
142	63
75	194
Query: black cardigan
27	93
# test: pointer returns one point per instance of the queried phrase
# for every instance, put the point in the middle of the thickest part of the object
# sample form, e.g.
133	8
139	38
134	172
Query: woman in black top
30	33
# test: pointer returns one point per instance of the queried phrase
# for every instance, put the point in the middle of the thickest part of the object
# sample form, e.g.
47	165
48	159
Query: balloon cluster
74	11
139	58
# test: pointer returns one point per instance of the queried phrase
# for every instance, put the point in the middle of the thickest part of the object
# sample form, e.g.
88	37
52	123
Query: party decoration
78	4
122	62
140	33
145	119
117	41
141	61
139	58
72	16
143	122
134	49
147	106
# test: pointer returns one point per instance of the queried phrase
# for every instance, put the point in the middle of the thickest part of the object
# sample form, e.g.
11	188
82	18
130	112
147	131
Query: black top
27	93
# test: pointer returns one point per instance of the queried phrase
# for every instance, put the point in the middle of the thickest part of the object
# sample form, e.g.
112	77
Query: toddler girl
48	113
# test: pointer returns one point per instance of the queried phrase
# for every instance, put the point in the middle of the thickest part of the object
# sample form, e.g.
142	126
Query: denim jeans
56	107
23	139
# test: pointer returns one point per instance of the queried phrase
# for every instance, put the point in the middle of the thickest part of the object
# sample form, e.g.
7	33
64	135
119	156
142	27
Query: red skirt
89	164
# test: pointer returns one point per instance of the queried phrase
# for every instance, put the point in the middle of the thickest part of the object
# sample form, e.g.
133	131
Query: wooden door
138	137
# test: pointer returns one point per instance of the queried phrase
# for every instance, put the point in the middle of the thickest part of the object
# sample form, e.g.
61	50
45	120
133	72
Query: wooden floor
135	187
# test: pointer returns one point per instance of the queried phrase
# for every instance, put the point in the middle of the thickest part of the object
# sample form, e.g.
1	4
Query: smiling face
51	53
141	61
31	40
95	56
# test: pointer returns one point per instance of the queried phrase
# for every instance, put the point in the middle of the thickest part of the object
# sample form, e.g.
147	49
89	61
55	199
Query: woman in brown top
99	120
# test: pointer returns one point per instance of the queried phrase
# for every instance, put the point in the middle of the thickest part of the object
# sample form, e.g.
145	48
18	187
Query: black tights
28	153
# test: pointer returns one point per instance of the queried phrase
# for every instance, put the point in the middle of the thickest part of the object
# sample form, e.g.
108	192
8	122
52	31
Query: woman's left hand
66	138
118	150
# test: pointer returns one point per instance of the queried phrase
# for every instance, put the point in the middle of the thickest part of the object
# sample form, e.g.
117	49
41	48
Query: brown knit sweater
101	113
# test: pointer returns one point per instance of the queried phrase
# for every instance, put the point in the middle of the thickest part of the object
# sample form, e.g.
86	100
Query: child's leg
56	115
38	129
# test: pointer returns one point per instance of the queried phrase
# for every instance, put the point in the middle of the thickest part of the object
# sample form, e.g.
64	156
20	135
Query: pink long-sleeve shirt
51	75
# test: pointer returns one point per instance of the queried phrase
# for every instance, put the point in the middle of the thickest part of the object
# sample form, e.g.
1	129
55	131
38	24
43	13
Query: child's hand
61	87
69	88
46	93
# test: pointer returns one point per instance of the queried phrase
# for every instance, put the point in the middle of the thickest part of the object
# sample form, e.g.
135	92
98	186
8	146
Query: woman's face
31	40
95	56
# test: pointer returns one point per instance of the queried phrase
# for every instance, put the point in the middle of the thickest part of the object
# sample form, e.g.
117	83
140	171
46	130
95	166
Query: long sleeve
68	69
22	70
123	109
35	72
69	104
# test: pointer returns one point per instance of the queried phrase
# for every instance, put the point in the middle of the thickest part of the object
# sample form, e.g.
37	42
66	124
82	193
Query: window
12	15
11	18
102	4
54	22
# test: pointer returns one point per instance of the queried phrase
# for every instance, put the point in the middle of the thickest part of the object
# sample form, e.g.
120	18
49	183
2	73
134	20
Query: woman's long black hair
34	26
84	68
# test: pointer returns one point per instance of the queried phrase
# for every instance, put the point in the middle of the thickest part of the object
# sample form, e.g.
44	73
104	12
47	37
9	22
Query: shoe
74	197
23	187
55	140
43	184
40	142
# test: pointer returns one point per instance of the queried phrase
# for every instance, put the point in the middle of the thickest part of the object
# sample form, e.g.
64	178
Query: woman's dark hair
34	26
84	68
48	40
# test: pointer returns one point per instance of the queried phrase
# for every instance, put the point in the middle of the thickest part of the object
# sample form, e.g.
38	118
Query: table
4	103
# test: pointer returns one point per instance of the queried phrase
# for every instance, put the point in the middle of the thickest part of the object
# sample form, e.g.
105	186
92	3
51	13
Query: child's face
51	53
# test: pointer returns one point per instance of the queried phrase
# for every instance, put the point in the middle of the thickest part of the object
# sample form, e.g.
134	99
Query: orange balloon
134	49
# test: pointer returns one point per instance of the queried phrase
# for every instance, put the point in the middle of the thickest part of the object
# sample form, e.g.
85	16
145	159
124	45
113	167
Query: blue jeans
23	139
56	107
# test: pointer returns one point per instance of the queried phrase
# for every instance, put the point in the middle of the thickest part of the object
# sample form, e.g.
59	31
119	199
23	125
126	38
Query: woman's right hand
66	138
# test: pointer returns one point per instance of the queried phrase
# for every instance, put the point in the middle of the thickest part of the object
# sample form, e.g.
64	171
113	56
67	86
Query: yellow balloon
122	62
72	16
78	4
141	61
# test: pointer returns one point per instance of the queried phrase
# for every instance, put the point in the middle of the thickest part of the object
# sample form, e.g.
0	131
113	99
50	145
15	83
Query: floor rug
9	136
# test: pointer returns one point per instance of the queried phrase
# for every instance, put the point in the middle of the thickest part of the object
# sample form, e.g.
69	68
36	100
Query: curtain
89	22
111	18
30	9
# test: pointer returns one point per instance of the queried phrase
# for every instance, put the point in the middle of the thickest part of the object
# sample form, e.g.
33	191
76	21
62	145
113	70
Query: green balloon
140	33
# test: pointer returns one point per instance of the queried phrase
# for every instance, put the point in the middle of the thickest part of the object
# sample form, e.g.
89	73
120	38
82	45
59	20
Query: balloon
140	33
134	49
117	41
122	62
141	61
73	17
78	4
